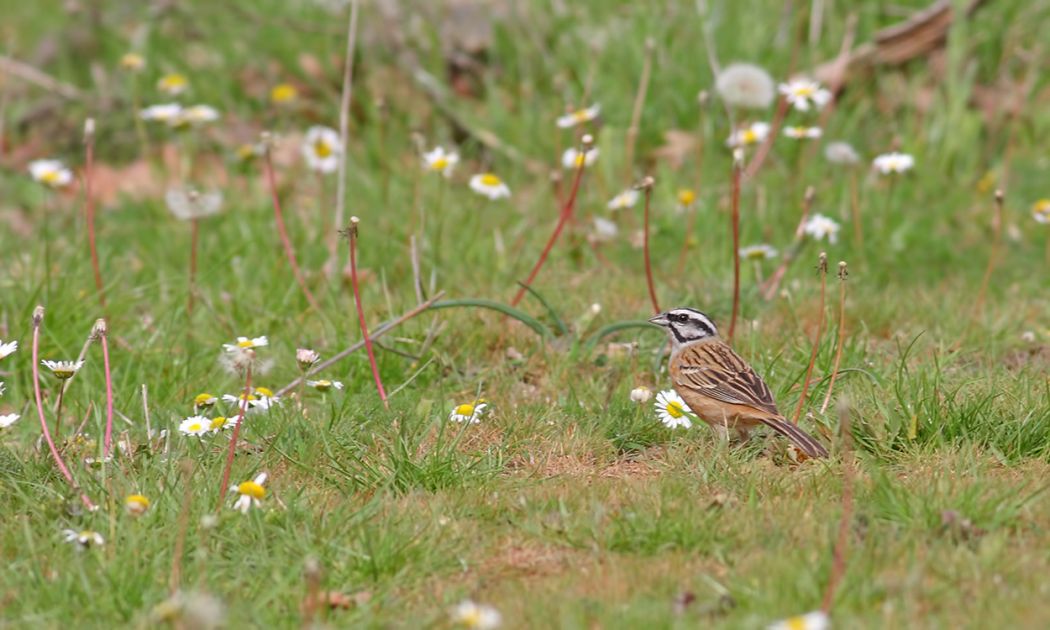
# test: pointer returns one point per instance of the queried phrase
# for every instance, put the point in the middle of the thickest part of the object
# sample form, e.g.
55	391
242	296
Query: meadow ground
567	504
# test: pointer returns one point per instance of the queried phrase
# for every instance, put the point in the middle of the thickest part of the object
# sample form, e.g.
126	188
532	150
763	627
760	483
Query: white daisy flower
489	185
841	153
641	394
169	113
188	204
758	252
817	620
624	200
136	504
574	158
746	86
197	426
323	385
246	343
173	84
2	388
820	227
63	369
219	423
132	62
604	229
249	493
803	133
7	349
198	115
51	173
893	163
469	413
672	410
468	614
754	133
204	400
8	420
322	148
1040	212
441	161
84	539
579	116
306	358
803	93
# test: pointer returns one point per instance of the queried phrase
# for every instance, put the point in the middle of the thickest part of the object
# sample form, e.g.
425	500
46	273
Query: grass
569	505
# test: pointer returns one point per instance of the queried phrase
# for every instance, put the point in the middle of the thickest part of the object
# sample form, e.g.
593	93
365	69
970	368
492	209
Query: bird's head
685	325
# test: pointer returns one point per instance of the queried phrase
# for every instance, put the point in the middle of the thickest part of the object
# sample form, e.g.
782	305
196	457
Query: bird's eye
680	317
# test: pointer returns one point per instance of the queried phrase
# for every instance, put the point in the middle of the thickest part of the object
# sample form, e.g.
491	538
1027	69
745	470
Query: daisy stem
822	268
89	207
100	329
38	319
58	414
283	232
563	218
195	230
242	406
735	221
843	273
645	251
351	236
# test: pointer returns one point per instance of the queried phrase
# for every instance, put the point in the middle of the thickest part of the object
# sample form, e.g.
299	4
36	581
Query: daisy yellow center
580	159
757	254
323	384
488	179
245	152
581	115
132	61
686	197
49	177
137	500
322	149
283	93
264	391
218	423
471	619
674	409
201	400
173	81
252	489
465	410
247	397
247	343
804	90
63	372
193	428
439	164
796	623
87	535
749	136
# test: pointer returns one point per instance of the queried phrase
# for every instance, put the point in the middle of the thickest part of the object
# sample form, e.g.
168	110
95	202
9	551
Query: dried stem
101	332
242	406
344	129
647	185
145	415
283	232
89	206
195	230
639	105
763	150
854	203
38	319
838	563
563	218
351	236
738	163
843	274
993	257
773	283
822	268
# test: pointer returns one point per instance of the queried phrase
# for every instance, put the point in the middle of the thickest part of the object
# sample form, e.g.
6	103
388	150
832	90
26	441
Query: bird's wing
716	371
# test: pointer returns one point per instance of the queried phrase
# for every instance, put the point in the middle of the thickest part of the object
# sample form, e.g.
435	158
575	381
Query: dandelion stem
351	236
242	407
89	207
563	217
735	220
283	232
822	268
195	229
997	233
38	319
648	184
843	273
100	329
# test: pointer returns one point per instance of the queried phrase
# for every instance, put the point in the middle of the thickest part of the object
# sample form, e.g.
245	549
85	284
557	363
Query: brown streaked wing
716	371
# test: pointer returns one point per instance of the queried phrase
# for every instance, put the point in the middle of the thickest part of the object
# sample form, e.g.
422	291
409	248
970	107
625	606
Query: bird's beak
660	320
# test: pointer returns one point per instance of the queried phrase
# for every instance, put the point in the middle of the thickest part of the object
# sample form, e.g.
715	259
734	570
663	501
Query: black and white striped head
686	325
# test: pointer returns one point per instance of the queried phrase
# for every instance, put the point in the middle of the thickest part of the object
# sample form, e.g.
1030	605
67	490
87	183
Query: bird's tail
806	442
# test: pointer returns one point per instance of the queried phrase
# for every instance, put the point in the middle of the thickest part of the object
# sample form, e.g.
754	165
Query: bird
718	385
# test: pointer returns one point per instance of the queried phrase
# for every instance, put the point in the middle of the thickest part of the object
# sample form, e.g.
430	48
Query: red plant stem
566	213
108	443
736	247
89	211
769	289
283	232
823	269
195	230
242	405
645	252
352	237
843	273
763	150
38	318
